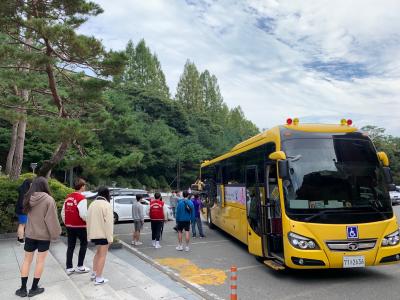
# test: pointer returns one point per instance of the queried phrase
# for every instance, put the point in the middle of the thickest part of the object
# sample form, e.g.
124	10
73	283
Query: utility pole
71	176
178	175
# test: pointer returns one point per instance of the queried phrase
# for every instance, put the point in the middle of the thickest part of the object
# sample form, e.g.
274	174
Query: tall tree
189	91
143	70
15	92
49	45
211	94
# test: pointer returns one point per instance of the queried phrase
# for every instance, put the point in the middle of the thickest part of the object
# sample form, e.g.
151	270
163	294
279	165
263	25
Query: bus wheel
209	221
115	218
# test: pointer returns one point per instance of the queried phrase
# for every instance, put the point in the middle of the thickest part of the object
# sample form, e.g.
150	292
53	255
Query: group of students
39	224
186	212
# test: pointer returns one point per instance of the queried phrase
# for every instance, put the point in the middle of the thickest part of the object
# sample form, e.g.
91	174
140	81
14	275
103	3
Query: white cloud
318	60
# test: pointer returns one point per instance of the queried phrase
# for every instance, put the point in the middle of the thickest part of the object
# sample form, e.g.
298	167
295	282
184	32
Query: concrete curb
7	236
198	289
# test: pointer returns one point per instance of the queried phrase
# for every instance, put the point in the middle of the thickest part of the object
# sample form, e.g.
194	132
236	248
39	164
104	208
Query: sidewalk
130	278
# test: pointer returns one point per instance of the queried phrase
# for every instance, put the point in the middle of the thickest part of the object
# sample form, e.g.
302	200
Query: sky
320	61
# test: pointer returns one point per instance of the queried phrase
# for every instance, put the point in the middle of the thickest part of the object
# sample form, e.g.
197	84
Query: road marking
170	272
192	273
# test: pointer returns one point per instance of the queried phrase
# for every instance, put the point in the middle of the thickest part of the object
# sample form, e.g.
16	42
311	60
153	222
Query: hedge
9	196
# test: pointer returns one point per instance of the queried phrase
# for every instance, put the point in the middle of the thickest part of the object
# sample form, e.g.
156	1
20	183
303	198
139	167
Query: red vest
156	210
72	218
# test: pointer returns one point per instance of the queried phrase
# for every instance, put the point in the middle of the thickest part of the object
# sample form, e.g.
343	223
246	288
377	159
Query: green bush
9	196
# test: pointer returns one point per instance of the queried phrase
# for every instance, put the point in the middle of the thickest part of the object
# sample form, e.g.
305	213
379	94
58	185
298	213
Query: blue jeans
199	226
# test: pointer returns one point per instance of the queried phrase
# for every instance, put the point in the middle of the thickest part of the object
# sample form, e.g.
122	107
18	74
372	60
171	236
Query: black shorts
183	225
99	241
31	245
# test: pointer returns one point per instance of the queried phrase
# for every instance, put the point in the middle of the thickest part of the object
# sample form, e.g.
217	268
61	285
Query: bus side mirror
283	163
283	168
383	158
277	155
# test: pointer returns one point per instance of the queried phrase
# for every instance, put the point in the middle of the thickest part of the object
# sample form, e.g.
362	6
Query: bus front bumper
324	258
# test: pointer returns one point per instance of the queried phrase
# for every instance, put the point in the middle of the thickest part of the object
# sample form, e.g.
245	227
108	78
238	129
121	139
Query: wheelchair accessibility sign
352	232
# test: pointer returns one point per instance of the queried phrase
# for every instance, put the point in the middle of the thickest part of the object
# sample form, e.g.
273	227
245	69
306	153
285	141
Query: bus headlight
392	239
302	242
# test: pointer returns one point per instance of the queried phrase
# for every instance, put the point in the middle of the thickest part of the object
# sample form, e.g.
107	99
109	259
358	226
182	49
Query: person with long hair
100	226
19	210
42	227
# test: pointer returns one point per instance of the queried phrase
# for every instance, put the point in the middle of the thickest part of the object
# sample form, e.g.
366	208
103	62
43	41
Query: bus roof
267	135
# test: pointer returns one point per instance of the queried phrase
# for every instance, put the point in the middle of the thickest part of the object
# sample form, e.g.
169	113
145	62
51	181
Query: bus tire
209	220
115	218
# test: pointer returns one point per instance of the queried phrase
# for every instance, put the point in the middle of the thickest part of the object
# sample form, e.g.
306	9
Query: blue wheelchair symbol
352	232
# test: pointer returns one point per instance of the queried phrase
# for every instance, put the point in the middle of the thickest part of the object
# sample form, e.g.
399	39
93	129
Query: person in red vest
74	212
158	214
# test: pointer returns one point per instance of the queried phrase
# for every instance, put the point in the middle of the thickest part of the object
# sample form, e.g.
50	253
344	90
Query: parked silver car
395	196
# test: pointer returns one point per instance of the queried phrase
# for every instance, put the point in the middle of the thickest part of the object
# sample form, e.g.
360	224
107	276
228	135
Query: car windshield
335	180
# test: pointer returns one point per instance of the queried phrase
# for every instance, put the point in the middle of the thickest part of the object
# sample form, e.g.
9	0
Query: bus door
272	214
253	207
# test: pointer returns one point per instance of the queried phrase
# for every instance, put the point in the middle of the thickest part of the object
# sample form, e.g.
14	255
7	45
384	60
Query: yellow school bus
305	196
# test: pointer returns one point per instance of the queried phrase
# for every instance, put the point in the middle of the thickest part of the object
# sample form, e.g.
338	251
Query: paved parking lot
209	261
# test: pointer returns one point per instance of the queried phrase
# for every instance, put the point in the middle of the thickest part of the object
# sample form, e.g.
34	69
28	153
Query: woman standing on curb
19	210
100	226
42	227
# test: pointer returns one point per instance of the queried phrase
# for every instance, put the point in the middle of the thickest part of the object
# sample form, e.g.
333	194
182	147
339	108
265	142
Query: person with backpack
184	216
158	214
197	205
19	210
73	214
42	227
138	219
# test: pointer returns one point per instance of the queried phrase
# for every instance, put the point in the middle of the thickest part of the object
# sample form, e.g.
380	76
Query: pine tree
189	89
143	70
48	46
211	94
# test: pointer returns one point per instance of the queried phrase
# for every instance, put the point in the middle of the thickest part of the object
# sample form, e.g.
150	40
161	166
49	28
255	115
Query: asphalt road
209	260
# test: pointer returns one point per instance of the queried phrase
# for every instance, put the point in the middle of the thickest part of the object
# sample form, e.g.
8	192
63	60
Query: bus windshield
335	180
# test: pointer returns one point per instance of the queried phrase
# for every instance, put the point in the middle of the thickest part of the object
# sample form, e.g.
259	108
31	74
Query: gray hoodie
43	222
137	211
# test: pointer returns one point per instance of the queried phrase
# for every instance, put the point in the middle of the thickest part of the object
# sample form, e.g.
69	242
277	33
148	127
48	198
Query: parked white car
122	206
395	196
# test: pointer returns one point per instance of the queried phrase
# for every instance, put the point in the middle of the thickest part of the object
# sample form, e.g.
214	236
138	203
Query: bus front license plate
353	261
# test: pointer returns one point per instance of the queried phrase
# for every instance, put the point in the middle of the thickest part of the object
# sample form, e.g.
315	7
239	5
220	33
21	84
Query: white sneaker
138	243
133	243
82	269
99	282
70	271
153	242
187	248
179	248
158	246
